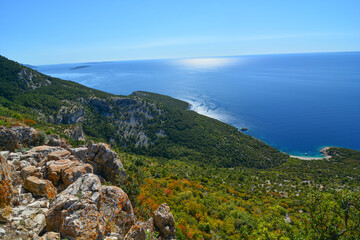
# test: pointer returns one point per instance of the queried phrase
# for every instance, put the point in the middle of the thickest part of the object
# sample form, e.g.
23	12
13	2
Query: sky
50	32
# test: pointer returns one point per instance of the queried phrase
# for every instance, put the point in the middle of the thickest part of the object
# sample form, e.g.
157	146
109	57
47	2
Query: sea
297	103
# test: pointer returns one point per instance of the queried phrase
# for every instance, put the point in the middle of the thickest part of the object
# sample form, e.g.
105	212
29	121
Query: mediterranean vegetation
296	200
219	182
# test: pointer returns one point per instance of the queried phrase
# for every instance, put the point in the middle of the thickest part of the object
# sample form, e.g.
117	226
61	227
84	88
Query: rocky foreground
53	191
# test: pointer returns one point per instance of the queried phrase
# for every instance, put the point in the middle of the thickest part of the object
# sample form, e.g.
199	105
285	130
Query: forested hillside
143	123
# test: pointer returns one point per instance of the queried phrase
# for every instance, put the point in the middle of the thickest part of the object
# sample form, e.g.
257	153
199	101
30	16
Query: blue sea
297	103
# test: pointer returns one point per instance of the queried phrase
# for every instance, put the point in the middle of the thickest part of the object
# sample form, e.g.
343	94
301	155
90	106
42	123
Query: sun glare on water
205	63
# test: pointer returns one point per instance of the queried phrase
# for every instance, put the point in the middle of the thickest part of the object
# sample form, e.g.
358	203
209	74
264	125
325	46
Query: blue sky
47	32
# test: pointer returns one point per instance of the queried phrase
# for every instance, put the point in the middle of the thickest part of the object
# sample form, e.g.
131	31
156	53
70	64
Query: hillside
143	123
218	182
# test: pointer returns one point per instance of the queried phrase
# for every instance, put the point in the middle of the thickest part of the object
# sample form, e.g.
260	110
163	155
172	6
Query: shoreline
323	152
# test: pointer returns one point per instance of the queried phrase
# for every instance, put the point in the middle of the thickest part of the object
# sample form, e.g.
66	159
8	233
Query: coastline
323	152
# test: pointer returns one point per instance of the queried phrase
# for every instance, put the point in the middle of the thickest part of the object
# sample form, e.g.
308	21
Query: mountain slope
144	123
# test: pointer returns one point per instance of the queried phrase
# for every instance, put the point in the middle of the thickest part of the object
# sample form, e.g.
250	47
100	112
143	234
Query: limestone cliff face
128	116
69	113
53	192
75	132
31	79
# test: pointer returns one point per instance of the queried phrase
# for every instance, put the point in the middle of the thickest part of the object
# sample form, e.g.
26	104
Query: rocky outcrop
29	171
164	222
26	221
74	212
123	102
136	232
59	154
17	137
75	132
32	79
101	106
68	114
87	209
71	174
117	210
64	172
6	188
80	206
43	151
105	162
56	141
49	236
40	187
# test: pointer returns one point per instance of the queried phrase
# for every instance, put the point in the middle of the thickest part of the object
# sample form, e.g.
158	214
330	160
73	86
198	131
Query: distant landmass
78	67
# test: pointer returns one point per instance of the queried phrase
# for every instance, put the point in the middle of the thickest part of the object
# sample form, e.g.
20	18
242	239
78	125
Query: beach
323	152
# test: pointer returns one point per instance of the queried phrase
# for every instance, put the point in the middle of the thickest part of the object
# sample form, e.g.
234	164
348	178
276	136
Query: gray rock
164	222
2	232
105	162
25	198
24	164
136	232
50	236
17	137
116	208
6	186
74	212
40	187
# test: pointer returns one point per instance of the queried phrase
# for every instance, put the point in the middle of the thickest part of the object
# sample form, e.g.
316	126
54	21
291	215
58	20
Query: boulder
59	154
149	225
117	209
2	232
80	152
136	232
54	168
82	220
56	141
50	236
6	188
14	160
44	150
111	237
17	137
105	162
71	174
74	212
5	214
64	172
40	187
29	171
24	199
32	155
164	222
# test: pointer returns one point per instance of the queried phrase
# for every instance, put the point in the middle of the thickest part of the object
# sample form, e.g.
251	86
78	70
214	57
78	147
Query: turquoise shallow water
297	103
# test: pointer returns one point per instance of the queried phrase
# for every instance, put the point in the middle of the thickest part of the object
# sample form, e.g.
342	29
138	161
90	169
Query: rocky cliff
54	191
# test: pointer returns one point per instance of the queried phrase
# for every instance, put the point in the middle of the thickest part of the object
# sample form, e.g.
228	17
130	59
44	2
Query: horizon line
174	58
